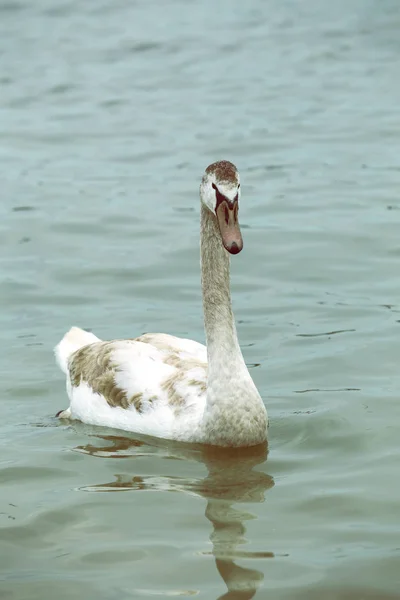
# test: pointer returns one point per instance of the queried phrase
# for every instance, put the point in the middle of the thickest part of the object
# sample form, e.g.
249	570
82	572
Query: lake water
110	111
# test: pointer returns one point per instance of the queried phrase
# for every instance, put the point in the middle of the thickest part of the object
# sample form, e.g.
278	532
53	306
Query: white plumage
170	387
151	372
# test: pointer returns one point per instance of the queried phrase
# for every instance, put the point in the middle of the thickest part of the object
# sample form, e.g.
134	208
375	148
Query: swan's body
171	387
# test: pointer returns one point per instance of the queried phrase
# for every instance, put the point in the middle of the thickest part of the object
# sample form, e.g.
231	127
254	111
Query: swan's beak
227	216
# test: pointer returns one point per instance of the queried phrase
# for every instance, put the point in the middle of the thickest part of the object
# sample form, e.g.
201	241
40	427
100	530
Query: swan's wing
153	378
175	345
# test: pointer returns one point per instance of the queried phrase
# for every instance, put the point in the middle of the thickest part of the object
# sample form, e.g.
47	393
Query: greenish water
110	113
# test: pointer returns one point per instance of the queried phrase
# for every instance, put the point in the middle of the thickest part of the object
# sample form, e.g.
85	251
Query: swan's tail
73	340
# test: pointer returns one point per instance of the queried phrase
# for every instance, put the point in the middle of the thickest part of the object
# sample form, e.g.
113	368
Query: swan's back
154	384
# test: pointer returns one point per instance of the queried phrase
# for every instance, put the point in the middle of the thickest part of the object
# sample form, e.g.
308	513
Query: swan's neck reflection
227	535
231	479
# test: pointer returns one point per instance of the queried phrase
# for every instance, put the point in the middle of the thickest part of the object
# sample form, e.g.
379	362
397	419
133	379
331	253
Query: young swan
170	387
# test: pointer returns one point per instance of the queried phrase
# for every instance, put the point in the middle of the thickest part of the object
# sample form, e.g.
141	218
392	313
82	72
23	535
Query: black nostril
234	249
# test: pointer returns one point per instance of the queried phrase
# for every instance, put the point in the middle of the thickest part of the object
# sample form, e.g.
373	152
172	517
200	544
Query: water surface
110	113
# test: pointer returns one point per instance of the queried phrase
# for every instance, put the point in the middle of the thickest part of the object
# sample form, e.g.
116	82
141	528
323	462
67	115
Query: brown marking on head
226	178
224	171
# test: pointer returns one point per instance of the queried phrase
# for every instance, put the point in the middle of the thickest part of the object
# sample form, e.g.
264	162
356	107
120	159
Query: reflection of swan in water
230	479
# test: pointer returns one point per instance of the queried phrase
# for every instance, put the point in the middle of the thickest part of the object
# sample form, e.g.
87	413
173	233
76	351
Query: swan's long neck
234	414
223	348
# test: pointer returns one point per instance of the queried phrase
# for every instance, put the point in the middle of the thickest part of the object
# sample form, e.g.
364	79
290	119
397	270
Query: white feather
142	369
73	340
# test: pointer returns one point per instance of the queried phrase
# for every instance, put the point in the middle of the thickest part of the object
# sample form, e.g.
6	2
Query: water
109	114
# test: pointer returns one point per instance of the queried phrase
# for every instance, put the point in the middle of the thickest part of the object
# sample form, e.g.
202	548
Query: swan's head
220	193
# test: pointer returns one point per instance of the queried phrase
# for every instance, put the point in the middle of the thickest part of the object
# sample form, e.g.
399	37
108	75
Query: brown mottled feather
93	364
199	384
224	171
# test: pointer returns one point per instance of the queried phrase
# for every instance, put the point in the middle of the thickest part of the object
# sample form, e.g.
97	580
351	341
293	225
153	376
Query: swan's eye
239	186
226	215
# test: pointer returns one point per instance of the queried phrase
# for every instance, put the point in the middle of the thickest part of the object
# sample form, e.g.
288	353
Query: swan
170	387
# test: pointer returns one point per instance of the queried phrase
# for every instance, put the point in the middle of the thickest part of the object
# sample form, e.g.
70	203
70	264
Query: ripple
110	116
